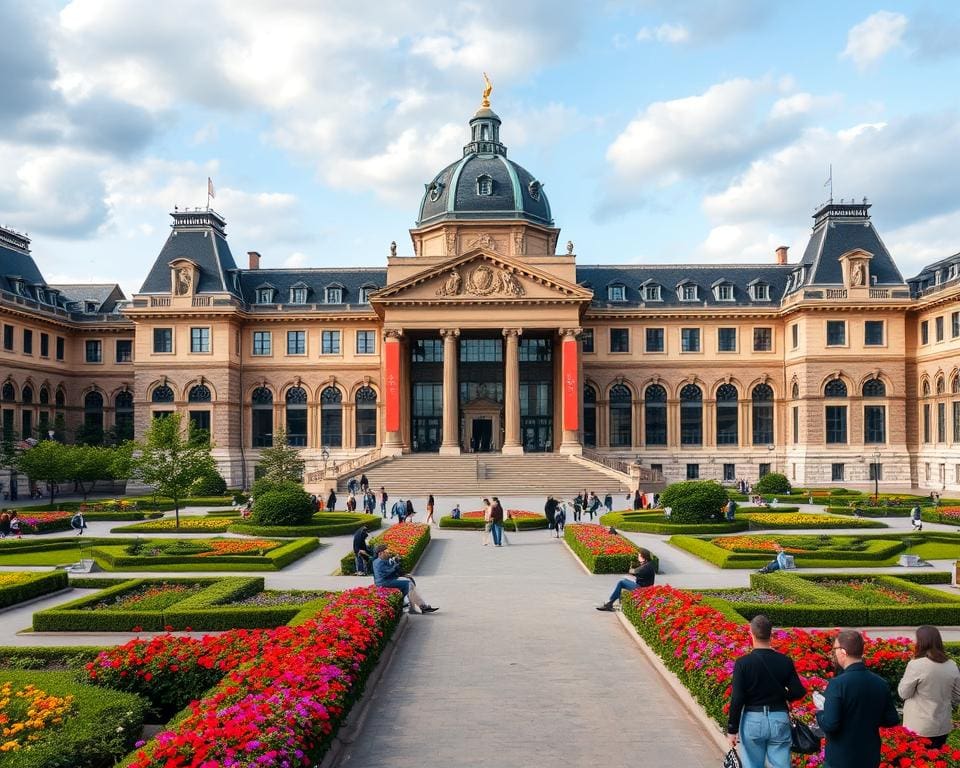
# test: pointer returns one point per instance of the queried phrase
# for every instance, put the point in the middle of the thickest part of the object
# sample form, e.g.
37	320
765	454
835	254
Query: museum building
831	368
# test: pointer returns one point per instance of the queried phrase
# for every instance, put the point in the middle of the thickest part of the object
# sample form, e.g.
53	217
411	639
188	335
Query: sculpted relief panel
481	280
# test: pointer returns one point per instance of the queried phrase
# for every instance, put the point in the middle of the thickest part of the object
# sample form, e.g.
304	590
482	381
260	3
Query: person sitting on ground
643	574
387	572
455	512
778	563
916	521
361	555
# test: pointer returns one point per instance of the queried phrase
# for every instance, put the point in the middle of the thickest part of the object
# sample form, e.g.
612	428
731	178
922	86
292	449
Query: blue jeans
496	531
383	508
360	563
765	735
627	584
402	584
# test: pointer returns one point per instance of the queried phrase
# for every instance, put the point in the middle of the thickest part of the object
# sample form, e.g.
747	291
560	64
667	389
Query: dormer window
90	307
651	293
435	190
41	296
298	295
723	292
534	188
616	293
760	292
18	287
264	295
484	185
688	292
363	295
334	295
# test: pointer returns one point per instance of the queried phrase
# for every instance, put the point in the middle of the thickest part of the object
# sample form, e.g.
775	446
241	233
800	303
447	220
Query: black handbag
732	760
803	739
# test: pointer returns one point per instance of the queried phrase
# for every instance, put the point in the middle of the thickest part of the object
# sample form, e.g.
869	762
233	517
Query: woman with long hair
930	688
429	520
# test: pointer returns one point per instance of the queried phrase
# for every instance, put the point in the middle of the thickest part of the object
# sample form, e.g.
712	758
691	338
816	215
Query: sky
663	132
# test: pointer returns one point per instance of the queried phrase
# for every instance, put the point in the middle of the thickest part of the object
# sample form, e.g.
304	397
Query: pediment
482	277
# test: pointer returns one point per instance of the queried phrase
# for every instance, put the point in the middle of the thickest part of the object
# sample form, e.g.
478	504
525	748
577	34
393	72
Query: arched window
727	415
589	416
93	418
123	415
795	391
199	393
874	388
691	415
26	415
162	394
261	402
835	388
297	416
43	421
331	417
941	388
621	417
8	393
655	415
366	417
762	414
44	396
26	395
60	400
955	385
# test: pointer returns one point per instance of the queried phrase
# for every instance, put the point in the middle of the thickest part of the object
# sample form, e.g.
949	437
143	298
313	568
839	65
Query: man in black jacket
763	682
644	575
856	704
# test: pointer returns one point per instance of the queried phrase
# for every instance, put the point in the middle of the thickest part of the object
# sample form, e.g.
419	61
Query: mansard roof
634	276
936	276
105	295
16	261
315	280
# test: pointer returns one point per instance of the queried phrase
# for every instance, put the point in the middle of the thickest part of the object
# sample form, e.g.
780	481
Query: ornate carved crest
483	280
483	240
452	285
519	244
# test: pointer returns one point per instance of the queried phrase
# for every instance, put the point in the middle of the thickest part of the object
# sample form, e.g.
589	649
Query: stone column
511	393
571	389
393	442
451	409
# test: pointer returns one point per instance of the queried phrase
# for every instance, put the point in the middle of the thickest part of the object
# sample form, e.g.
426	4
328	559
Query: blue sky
667	132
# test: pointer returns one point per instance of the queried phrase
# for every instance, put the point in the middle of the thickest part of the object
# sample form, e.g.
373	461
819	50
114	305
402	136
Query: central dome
484	184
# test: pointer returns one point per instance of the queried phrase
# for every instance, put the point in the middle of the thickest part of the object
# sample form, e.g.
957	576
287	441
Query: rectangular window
836	472
535	350
764	469
586	339
926	470
428	351
726	339
938	328
689	339
60	347
762	339
363	297
941	422
124	350
619	339
162	340
366	342
8	338
836	417
262	343
688	293
654	340
27	342
761	292
925	332
651	293
876	471
693	471
836	333
926	422
657	468
956	421
44	345
298	295
954	325
873	333
796	424
729	473
296	342
334	296
724	292
795	335
264	295
616	293
94	351
199	339
330	343
874	424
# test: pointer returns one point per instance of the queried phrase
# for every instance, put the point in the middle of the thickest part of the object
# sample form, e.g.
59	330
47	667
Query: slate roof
16	261
839	228
105	295
936	276
316	280
668	277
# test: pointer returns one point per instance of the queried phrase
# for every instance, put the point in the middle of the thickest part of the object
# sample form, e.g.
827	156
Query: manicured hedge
33	585
476	524
927	577
101	729
601	561
42	657
878	552
408	559
655	522
811	520
871	511
115	558
188	524
322	525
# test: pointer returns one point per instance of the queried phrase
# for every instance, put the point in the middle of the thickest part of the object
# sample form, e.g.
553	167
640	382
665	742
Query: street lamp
325	455
876	477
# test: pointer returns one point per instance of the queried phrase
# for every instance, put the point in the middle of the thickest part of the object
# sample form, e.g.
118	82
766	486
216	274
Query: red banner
391	351
571	386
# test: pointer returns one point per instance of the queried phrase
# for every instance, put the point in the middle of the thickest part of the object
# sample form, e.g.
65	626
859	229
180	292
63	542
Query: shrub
211	484
18	587
286	504
655	522
694	501
773	482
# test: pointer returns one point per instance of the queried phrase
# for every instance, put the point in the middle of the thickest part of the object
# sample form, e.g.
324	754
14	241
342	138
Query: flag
210	190
829	180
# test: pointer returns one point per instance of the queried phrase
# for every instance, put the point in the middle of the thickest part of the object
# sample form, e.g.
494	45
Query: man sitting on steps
386	573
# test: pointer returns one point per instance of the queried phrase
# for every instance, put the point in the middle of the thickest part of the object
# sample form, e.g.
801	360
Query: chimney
781	254
255	259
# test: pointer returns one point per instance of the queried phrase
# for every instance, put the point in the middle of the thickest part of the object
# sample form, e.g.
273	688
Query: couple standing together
493	522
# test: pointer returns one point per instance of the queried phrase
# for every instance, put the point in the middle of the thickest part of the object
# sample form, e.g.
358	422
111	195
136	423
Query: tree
281	461
48	462
171	463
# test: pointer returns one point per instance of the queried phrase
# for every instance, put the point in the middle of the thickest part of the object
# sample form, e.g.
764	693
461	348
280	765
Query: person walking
856	704
731	510
764	682
496	522
487	522
384	498
361	553
594	506
637	500
409	511
369	502
550	512
916	518
15	524
364	483
578	503
930	688
429	520
332	501
643	574
4	525
351	502
399	510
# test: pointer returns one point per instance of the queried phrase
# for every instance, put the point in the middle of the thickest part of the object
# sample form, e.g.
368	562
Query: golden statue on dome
485	104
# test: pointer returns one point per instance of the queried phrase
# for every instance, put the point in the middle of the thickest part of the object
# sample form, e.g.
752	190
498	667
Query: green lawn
64	555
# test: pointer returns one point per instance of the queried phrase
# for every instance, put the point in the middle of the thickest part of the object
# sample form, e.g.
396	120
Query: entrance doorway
482	435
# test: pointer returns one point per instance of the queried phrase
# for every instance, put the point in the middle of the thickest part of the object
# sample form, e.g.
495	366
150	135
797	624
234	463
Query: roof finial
485	103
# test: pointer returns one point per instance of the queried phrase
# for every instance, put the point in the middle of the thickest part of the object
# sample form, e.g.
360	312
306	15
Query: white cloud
665	33
874	37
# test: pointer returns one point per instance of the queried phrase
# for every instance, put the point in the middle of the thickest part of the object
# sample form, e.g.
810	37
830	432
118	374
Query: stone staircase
489	474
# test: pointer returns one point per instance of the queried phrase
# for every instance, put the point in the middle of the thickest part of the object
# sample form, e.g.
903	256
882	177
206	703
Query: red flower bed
41	522
600	550
282	694
700	645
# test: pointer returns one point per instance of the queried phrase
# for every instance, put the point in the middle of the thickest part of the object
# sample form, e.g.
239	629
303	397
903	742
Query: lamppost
876	477
325	455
